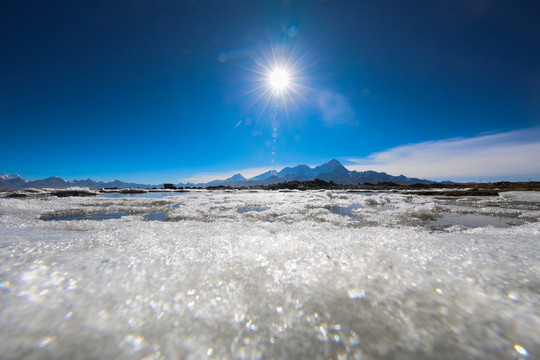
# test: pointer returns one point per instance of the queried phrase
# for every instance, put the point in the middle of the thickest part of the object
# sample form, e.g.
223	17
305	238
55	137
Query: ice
238	274
521	195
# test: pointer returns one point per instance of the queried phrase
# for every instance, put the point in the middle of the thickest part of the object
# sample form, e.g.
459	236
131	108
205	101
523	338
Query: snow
521	195
11	177
256	274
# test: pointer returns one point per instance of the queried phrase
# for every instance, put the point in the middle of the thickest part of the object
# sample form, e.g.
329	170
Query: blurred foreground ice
270	275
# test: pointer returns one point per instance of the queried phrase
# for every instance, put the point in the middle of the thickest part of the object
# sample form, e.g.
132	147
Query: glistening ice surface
297	275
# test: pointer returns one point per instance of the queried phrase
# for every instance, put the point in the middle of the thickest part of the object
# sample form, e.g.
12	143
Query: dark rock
17	195
68	193
133	191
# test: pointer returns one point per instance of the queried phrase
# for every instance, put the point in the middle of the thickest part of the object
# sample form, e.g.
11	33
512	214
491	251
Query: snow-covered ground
316	274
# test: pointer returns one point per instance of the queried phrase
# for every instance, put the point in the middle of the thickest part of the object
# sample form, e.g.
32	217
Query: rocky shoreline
436	189
442	189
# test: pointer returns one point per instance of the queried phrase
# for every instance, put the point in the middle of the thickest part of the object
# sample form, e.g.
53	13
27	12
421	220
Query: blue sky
164	91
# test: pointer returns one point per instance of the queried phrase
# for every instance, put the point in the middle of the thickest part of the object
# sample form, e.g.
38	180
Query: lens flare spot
520	349
292	30
222	57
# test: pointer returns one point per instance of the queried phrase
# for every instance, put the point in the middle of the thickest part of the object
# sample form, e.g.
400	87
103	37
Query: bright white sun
279	79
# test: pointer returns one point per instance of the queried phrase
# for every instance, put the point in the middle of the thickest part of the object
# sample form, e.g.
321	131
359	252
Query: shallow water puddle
346	210
149	195
98	217
157	216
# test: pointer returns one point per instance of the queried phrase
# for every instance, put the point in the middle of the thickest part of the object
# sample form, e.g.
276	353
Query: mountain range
330	171
16	182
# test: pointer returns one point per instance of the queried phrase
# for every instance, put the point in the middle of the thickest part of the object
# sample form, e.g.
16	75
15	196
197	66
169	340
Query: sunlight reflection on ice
232	274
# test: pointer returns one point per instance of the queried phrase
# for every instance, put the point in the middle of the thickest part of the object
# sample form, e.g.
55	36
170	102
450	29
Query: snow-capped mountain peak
265	175
10	176
236	177
332	170
301	171
332	167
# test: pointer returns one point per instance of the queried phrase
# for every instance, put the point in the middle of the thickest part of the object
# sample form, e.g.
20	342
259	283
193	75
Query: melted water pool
149	195
97	217
157	216
346	210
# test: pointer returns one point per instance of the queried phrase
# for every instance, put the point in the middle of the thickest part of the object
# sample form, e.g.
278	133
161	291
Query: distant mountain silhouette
265	175
333	170
15	182
233	179
11	181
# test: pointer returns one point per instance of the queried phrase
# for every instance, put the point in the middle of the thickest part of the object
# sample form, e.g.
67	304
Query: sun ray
277	85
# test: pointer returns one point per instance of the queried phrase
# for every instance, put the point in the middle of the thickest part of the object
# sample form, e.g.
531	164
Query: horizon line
502	156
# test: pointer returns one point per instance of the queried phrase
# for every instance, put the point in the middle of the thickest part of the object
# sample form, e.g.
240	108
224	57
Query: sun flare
279	79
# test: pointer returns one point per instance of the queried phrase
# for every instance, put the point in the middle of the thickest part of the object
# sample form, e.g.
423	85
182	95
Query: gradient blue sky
164	91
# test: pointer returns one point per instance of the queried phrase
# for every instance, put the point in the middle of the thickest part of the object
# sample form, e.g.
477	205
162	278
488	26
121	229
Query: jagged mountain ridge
333	170
15	182
265	175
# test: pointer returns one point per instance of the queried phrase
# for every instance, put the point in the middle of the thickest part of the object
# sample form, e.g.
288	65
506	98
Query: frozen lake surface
283	275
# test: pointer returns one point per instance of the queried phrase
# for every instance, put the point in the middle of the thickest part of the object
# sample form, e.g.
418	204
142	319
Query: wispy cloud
509	154
335	109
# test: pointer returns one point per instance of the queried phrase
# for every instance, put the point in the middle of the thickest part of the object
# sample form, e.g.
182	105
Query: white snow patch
533	196
287	278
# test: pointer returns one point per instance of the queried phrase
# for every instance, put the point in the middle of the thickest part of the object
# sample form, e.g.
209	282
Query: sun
279	79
